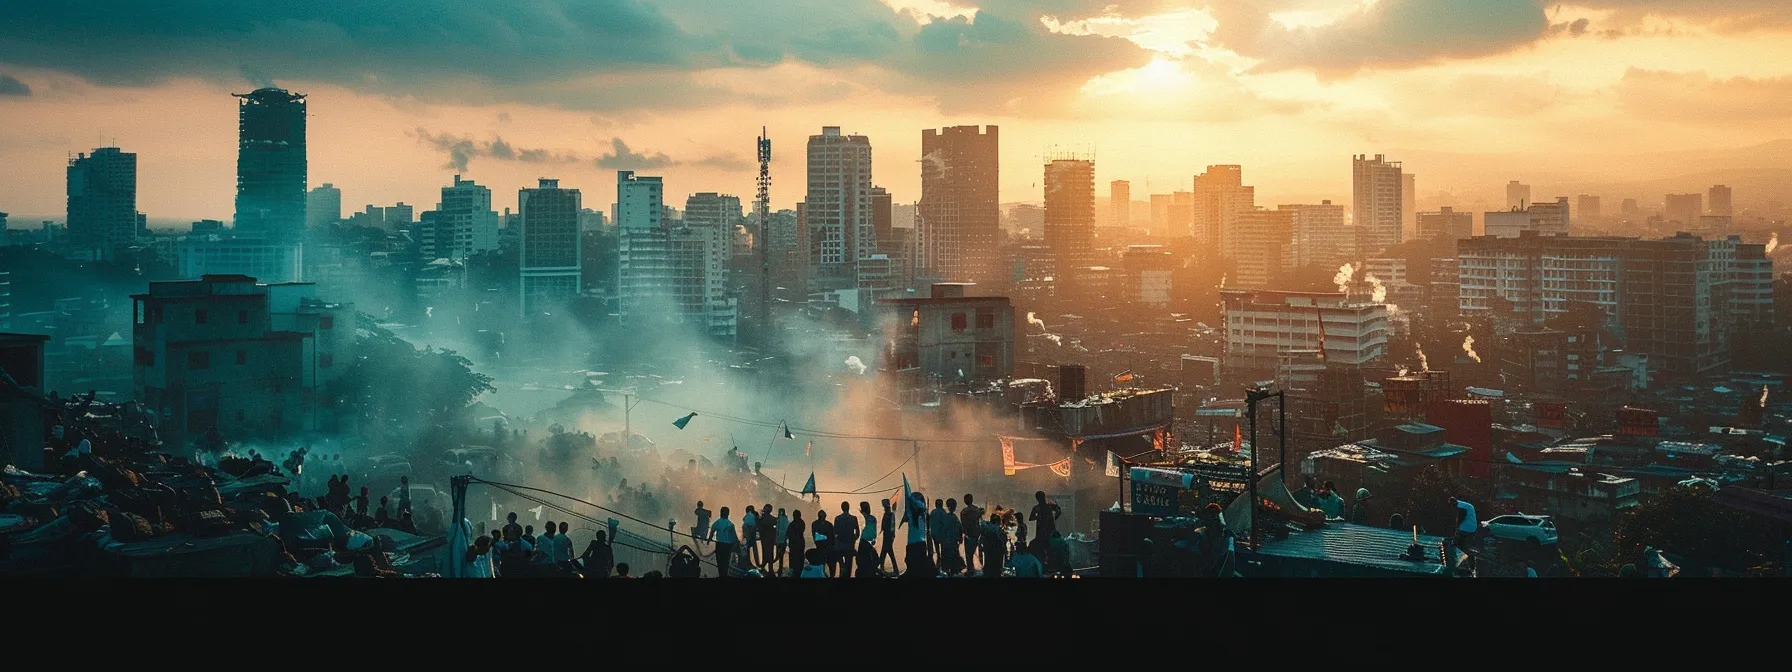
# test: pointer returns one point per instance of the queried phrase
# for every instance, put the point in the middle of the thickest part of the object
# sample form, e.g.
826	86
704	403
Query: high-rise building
960	209
462	224
1262	245
1378	201
838	208
1409	206
270	165
1677	300
1549	219
679	272
102	200
1446	223
550	257
1262	326
1220	198
1720	200
1629	208
1149	272
1120	203
1518	195
1070	216
1684	209
1586	208
1321	237
1160	216
323	206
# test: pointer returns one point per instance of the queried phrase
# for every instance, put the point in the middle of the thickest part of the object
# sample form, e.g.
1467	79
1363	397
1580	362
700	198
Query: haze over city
1563	95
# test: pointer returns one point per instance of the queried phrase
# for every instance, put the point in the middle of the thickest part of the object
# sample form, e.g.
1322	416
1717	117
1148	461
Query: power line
802	430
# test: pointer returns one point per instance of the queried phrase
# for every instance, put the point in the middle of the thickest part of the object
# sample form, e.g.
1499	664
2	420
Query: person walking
970	521
701	531
797	536
867	554
935	527
846	538
888	526
723	532
749	536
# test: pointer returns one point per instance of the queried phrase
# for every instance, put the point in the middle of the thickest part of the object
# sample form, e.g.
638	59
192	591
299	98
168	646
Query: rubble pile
110	502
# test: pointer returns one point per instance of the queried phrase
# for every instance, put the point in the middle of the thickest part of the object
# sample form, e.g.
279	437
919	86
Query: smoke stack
1070	383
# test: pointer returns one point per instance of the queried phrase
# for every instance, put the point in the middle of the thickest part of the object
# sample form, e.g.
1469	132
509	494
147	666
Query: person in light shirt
723	533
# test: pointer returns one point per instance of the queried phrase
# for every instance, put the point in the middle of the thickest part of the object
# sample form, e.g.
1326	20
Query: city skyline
1159	92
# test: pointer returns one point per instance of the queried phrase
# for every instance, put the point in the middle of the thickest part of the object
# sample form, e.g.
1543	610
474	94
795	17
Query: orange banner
1007	456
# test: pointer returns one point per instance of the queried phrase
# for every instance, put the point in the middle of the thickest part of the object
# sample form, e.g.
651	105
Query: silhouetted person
622	568
822	532
768	537
1045	517
796	537
723	531
995	545
888	527
846	537
969	519
701	531
916	562
599	558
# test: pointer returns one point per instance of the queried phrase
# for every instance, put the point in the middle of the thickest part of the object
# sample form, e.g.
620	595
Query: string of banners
1009	466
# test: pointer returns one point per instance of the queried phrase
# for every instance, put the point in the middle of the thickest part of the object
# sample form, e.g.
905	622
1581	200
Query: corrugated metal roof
1359	545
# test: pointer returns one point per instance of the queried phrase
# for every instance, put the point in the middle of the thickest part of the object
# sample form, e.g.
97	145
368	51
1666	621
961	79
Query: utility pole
1252	397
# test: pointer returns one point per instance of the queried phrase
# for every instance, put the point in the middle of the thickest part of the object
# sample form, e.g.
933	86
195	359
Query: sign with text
1156	491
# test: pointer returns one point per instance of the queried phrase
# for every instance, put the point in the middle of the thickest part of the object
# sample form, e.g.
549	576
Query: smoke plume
1424	363
1342	279
1380	292
1033	319
1468	347
856	365
1773	243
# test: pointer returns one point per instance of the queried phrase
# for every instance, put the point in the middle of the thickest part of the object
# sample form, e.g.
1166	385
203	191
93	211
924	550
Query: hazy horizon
1467	93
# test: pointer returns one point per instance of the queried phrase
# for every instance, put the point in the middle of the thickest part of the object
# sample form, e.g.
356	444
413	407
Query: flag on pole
537	511
681	422
809	488
1113	464
1007	456
787	433
1062	468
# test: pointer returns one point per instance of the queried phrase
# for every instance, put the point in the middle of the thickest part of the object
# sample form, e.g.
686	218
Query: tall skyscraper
960	209
270	165
102	200
675	271
462	224
1220	197
838	207
323	206
1587	208
1070	217
1119	203
550	259
1377	203
1263	246
1719	197
1321	239
1518	195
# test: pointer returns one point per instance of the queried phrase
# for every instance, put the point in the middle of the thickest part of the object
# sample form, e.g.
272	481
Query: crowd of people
945	541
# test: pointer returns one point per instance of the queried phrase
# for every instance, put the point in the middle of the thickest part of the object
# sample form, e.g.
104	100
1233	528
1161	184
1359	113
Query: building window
326	360
986	360
328	322
198	317
986	318
199	360
242	358
242	317
958	322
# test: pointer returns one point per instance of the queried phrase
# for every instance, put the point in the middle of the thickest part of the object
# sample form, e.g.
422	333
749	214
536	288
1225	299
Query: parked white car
1540	530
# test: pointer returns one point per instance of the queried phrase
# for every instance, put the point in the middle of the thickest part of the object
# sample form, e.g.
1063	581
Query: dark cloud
461	150
11	86
1391	34
1698	98
599	55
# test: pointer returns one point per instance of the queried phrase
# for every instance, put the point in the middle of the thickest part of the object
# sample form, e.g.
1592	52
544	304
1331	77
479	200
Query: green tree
393	382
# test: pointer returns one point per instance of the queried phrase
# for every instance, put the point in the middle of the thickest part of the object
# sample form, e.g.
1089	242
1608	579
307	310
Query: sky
403	95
